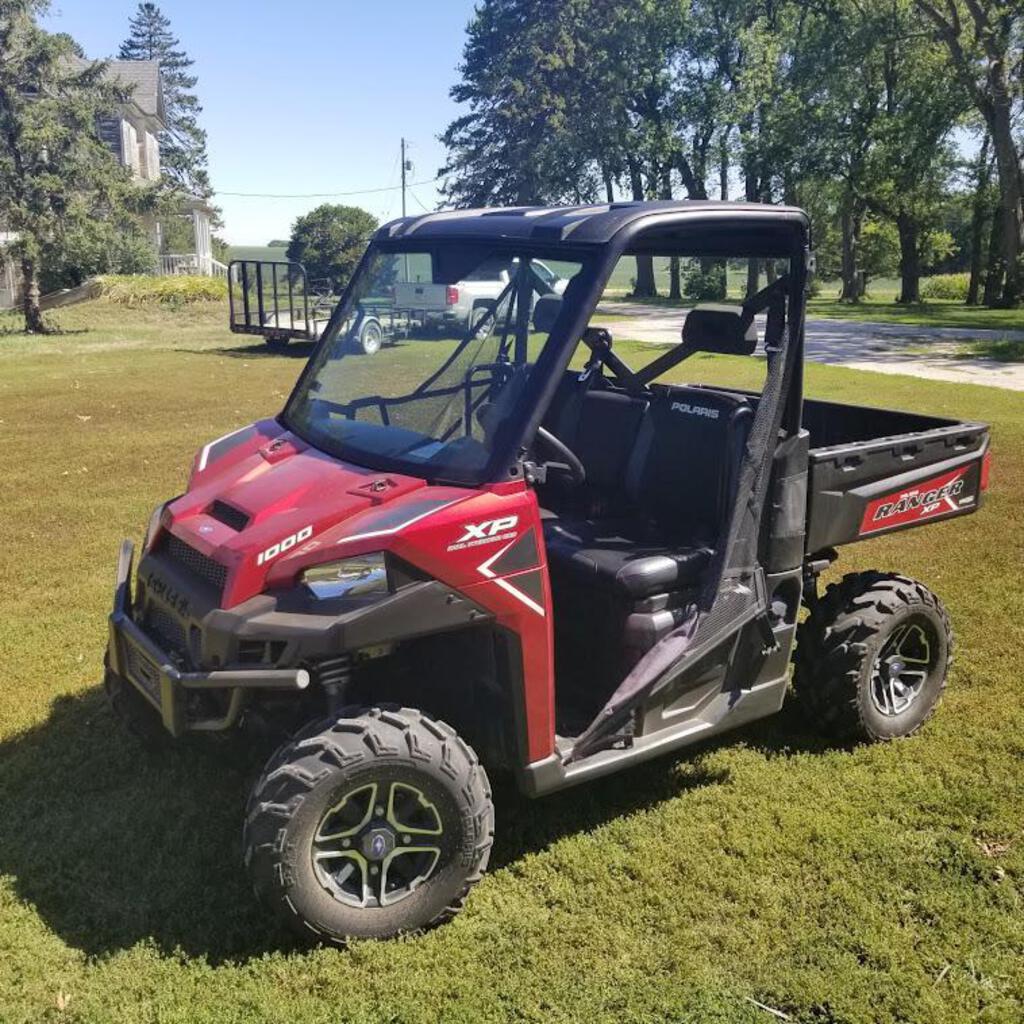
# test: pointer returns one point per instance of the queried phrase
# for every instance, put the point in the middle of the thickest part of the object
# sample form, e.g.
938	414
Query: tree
329	241
985	41
521	79
911	161
183	143
55	174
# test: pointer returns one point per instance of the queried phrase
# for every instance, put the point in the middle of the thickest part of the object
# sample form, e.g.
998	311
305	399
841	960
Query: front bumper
136	657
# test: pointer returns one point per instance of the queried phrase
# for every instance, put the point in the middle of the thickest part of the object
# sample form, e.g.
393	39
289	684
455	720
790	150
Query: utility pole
406	165
403	176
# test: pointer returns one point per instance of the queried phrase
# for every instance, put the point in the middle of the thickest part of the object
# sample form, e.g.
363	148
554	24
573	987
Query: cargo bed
872	471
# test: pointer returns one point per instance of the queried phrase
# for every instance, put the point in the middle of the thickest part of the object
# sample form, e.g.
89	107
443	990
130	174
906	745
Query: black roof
716	222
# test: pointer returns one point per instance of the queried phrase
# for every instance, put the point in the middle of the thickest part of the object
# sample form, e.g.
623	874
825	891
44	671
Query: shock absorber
335	675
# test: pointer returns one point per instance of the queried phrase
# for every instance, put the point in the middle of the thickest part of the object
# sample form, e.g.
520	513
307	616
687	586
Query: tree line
861	111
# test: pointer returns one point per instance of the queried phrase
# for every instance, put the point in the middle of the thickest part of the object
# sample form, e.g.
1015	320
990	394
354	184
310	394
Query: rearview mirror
719	328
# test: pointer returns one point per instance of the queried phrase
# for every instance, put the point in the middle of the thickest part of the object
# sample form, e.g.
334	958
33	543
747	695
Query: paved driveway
883	348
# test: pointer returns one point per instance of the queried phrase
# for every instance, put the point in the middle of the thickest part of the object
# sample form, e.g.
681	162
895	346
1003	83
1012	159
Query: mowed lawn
870	885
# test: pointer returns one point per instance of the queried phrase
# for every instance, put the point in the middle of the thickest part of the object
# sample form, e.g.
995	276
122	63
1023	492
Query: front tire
873	657
369	826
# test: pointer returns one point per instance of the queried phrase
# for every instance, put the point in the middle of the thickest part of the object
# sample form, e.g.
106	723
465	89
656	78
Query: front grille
229	515
142	670
195	562
166	629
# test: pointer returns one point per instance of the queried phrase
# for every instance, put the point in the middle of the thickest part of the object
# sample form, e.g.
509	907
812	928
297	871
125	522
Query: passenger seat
679	482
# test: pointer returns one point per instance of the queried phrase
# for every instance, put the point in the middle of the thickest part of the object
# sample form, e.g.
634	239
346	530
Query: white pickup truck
465	302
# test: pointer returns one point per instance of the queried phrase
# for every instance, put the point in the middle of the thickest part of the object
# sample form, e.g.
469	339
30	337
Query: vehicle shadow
293	350
114	844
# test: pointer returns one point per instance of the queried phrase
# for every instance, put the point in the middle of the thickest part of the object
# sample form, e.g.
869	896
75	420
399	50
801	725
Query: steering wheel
564	455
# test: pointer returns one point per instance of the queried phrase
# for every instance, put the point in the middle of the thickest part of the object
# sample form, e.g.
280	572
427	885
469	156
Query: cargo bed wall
873	471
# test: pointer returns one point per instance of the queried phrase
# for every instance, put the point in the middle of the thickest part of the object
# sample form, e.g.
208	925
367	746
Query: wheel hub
901	669
377	844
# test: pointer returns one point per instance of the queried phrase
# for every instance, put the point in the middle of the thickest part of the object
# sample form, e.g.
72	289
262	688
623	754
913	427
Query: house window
130	146
149	156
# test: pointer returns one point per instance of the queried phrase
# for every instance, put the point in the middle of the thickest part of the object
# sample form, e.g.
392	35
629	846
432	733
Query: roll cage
597	237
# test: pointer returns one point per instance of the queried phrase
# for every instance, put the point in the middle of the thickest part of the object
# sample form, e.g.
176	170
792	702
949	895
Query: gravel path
882	348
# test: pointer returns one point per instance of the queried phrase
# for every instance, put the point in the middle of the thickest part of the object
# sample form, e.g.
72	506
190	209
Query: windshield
424	366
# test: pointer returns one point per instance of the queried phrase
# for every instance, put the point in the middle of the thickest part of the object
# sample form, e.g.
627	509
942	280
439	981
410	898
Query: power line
420	202
324	195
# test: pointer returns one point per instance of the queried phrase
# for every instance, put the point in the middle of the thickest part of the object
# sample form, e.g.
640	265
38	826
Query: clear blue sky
302	96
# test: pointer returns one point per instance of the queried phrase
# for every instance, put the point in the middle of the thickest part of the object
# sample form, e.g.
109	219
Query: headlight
363	576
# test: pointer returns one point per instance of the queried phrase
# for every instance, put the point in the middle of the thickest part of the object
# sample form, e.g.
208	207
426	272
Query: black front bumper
136	657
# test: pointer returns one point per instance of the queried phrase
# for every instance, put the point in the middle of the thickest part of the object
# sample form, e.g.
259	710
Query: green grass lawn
937	313
870	885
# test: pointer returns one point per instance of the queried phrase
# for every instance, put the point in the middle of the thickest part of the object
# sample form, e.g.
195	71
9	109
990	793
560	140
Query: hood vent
229	515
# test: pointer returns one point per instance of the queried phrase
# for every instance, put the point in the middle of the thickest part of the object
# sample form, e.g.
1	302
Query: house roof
142	77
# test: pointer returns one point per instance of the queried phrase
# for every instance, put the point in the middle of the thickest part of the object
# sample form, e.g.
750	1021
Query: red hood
289	501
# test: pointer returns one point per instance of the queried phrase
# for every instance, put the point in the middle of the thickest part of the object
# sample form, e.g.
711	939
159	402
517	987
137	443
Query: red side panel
948	494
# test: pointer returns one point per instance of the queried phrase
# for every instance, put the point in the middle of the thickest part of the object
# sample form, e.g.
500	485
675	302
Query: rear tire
371	337
369	826
873	657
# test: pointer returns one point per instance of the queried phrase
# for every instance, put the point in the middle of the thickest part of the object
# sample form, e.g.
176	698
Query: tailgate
864	489
422	296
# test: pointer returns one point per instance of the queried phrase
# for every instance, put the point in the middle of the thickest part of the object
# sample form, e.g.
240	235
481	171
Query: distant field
256	252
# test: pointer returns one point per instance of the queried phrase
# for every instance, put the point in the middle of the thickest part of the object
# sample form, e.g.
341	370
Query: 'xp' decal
488	532
942	495
284	545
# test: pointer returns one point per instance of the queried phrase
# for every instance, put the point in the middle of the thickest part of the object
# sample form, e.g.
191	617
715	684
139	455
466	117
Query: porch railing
191	263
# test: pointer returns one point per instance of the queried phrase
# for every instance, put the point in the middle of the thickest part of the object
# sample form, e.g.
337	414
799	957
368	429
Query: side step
726	712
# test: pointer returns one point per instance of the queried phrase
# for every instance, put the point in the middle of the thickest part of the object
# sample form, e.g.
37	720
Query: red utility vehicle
463	552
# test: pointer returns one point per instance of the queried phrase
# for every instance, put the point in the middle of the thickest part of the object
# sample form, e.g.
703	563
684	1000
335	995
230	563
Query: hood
261	502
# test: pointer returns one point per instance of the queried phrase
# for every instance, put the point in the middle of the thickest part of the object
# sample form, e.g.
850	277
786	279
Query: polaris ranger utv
464	553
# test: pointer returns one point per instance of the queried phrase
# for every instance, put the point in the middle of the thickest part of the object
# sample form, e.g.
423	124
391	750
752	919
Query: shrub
946	286
176	291
704	285
93	248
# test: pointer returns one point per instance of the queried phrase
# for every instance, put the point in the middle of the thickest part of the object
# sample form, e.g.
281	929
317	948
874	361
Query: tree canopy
852	110
330	240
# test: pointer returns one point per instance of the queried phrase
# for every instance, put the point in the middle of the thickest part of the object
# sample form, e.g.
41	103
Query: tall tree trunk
1011	190
853	282
674	291
723	165
750	191
30	296
644	287
979	212
996	266
609	185
910	259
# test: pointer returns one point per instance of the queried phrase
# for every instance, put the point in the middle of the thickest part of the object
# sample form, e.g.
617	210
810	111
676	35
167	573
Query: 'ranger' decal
955	491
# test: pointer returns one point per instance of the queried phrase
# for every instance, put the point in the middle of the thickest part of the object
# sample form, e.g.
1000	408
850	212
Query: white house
131	133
